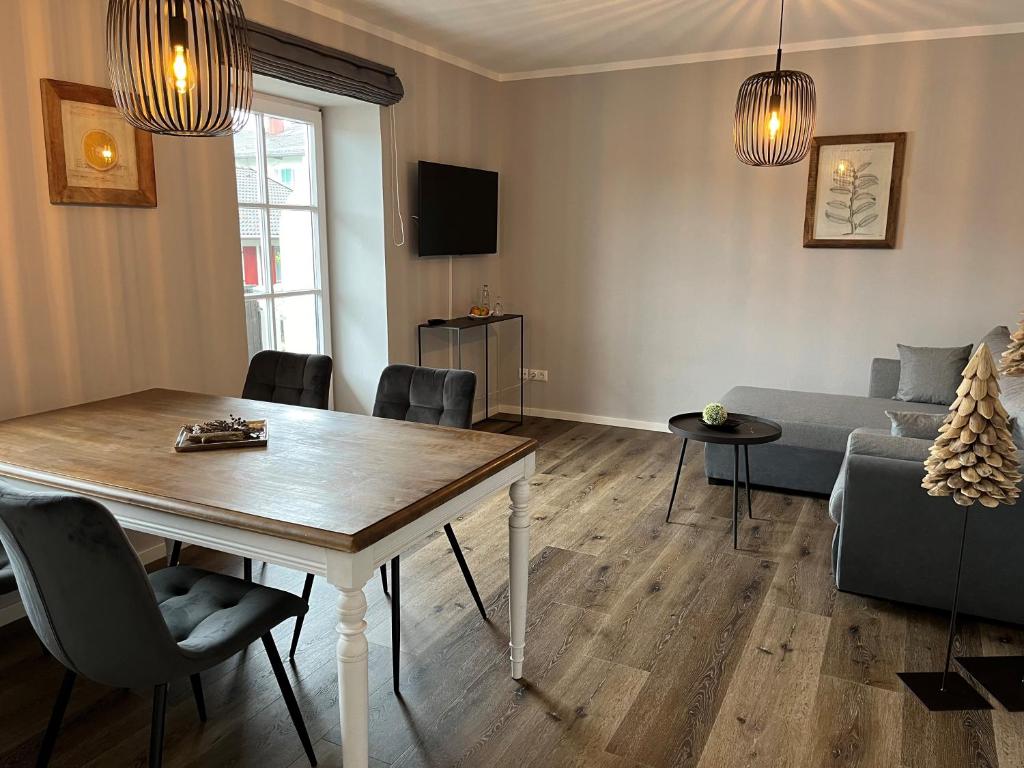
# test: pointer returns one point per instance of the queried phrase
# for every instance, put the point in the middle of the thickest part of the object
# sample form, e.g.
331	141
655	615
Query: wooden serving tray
182	444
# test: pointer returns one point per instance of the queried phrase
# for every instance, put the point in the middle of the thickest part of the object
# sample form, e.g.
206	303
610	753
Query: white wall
355	224
657	271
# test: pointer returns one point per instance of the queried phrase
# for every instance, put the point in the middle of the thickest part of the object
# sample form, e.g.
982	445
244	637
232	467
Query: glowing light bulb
107	153
773	125
180	70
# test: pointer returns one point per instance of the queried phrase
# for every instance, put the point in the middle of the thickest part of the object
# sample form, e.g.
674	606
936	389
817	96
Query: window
279	173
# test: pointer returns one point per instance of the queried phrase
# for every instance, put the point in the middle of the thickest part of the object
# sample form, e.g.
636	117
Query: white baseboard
588	418
15	611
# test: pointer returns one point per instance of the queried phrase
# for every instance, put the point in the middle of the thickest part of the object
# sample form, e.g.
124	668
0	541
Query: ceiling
506	38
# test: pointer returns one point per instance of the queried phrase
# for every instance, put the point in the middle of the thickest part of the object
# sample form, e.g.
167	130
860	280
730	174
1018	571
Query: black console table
460	324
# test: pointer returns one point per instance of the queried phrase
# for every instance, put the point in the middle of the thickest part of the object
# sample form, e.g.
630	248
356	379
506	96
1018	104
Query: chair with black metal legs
287	378
291	379
428	396
96	611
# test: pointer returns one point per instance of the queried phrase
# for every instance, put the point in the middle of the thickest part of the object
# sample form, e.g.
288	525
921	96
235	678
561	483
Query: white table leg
353	678
518	569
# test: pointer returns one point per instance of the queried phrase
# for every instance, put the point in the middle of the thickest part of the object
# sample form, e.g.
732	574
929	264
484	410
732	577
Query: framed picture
853	190
93	155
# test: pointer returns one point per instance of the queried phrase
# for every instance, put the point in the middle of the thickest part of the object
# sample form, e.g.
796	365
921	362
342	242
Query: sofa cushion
931	374
915	424
815	420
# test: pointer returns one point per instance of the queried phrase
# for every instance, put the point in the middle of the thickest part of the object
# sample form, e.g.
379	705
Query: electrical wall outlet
538	375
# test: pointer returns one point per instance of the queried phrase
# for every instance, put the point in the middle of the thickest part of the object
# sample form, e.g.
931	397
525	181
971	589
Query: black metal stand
735	488
460	324
947	691
675	485
1002	676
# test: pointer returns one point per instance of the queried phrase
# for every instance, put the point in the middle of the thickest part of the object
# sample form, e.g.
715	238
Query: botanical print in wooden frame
853	190
93	155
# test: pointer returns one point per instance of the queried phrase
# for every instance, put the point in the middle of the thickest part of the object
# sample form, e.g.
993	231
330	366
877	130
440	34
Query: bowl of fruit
479	313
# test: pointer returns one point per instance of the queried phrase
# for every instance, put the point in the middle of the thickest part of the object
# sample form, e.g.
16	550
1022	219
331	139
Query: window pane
257	325
297	326
247	175
288	172
251	224
294	264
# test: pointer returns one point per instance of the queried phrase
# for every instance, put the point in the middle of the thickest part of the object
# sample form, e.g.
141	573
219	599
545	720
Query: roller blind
295	60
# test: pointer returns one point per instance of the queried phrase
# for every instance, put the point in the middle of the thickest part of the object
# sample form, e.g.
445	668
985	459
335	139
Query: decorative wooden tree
1013	357
973	460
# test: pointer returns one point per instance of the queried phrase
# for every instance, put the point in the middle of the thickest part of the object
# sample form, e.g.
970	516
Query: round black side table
740	430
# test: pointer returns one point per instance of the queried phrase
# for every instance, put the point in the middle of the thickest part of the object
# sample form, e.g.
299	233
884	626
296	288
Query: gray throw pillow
931	374
910	424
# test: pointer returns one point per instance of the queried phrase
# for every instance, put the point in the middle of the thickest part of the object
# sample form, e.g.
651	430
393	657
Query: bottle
498	309
485	298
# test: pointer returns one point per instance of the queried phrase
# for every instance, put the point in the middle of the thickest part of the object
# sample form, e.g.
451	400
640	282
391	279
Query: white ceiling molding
769	50
350	20
335	14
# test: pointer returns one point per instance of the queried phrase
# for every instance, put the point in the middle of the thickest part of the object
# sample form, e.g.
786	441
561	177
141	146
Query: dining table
333	494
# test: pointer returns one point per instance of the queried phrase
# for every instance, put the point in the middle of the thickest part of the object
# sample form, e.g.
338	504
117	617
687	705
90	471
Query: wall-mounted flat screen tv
458	210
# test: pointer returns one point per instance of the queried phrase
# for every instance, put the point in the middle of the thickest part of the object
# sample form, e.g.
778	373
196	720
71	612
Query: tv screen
458	210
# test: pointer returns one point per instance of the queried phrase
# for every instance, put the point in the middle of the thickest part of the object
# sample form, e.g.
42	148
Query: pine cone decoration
1013	357
974	459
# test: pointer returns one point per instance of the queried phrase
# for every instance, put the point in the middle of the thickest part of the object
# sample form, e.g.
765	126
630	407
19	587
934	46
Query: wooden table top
333	479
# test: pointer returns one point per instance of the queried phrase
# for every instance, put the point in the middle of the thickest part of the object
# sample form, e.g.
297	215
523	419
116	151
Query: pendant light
774	120
180	67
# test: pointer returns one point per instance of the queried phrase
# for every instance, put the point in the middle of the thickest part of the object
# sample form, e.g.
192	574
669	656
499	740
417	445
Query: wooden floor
648	645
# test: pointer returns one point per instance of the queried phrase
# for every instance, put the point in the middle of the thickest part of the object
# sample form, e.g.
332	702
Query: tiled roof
247	180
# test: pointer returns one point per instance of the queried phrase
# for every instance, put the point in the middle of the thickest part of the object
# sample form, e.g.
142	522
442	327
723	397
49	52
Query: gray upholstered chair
287	378
290	379
428	396
96	611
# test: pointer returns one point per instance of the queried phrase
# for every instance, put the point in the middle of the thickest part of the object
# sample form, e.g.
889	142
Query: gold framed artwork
93	155
853	190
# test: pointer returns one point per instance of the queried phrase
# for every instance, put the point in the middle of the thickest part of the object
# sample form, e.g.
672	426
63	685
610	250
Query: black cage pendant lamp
774	120
180	67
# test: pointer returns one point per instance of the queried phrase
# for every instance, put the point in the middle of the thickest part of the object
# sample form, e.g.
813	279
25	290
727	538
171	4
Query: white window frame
275	106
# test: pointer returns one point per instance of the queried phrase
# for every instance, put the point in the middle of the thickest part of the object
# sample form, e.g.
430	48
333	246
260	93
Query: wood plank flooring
649	645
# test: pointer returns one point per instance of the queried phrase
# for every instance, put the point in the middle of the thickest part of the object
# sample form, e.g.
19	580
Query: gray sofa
892	540
815	430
